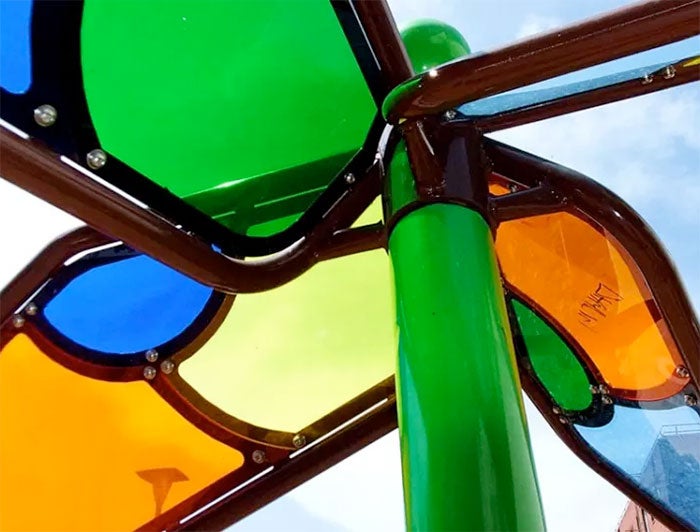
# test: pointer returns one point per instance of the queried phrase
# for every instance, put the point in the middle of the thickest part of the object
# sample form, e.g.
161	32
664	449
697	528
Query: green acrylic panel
208	97
555	365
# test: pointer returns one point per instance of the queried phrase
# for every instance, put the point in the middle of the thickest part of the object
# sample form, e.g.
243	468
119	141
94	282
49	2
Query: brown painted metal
38	170
379	26
44	265
622	32
588	100
584	452
172	387
541	199
448	166
298	470
626	226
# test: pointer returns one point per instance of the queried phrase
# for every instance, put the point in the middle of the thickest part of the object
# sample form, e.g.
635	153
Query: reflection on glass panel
78	453
286	357
658	450
256	115
127	306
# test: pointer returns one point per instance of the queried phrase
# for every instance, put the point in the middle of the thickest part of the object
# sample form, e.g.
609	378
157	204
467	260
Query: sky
647	150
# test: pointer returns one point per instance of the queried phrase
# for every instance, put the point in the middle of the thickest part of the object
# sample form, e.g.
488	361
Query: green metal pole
466	458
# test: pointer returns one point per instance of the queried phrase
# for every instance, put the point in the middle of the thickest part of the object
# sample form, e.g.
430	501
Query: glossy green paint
203	95
399	192
554	363
430	43
466	456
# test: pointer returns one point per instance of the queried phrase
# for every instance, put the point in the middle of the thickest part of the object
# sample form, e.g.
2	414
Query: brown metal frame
576	191
619	33
27	164
626	31
278	446
616	216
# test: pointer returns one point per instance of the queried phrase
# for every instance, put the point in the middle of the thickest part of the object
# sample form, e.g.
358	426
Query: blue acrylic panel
15	47
127	306
599	76
659	451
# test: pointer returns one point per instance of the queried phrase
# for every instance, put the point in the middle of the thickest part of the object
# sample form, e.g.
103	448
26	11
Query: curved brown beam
38	170
619	33
624	224
45	264
574	442
297	470
589	99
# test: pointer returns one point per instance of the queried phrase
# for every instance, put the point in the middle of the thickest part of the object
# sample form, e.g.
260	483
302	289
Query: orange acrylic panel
578	275
78	453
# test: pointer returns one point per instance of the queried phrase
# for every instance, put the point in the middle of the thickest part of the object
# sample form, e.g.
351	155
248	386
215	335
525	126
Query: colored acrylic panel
206	96
15	45
657	450
127	306
583	282
83	454
283	359
555	365
621	70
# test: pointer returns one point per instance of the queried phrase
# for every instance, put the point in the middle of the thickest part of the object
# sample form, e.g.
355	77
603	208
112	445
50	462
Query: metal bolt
556	410
648	78
45	115
349	178
299	441
603	389
450	114
593	388
151	355
669	72
18	321
258	456
682	372
96	159
167	366
31	309
607	400
149	373
690	399
513	187
563	420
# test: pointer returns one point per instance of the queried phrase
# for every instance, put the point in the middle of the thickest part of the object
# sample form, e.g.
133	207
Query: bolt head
151	355
669	72
45	115
450	114
149	373
682	372
648	78
350	178
563	420
167	366
607	400
299	441
258	456
690	399
96	159
31	309
603	389
556	410
18	321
